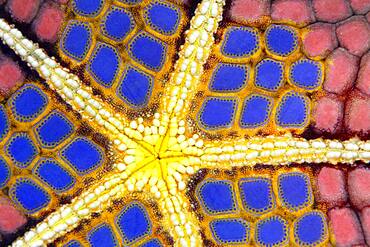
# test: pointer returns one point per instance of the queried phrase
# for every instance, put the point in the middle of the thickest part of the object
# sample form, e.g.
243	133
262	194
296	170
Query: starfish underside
157	157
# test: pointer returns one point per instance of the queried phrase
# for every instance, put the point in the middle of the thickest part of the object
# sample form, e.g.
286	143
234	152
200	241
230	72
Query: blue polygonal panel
28	103
240	42
148	51
281	40
217	196
217	112
73	243
229	77
91	159
272	231
4	123
4	172
295	190
53	129
76	40
269	75
310	229
104	64
29	195
257	195
292	111
89	8
53	174
306	74
256	111
230	231
133	222
21	149
162	17
135	87
102	236
152	243
117	23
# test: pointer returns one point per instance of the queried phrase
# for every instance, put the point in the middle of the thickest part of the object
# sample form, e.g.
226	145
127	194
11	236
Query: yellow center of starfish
155	156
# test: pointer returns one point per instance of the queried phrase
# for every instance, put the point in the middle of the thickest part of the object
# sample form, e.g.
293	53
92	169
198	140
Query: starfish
158	157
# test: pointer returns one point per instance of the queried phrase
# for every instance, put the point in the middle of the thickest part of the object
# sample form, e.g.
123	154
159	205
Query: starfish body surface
157	157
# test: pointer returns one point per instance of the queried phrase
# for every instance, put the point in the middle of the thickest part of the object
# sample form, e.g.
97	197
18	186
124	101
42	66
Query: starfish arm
192	56
169	188
68	86
279	150
165	180
67	217
129	176
181	222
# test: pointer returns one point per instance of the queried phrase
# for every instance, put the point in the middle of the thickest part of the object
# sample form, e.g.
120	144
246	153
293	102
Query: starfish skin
156	157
